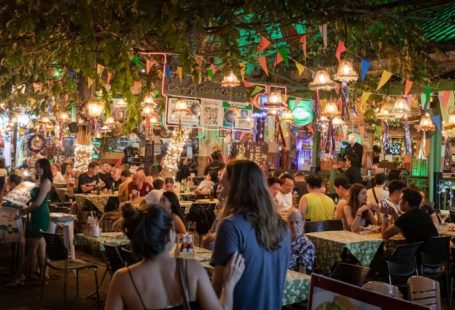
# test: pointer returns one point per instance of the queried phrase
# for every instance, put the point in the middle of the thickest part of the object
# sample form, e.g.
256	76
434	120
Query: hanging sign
210	90
191	118
212	113
302	111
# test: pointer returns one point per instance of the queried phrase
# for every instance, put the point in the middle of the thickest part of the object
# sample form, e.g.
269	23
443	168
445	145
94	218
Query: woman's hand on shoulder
233	270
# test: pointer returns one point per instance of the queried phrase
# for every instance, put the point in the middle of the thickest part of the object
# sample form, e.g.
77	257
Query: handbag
182	271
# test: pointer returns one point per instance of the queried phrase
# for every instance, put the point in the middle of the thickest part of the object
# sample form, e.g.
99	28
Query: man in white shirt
395	190
376	194
284	196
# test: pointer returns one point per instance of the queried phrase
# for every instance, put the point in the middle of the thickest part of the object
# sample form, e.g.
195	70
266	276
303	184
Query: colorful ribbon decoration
407	137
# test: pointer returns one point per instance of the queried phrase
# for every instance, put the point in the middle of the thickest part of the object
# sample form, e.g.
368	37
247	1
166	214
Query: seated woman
358	213
302	250
157	282
171	202
206	186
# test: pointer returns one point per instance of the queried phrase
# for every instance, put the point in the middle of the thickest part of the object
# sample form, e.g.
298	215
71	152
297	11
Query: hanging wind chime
425	125
401	110
385	114
345	74
328	142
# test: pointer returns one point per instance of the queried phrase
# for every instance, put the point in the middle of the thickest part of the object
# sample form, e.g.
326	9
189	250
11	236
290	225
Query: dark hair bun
148	230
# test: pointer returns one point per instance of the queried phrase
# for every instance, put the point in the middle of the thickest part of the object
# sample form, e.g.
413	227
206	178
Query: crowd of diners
259	232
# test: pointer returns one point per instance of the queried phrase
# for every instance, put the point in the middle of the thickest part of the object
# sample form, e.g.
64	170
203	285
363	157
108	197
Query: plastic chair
402	262
57	259
383	288
434	262
333	225
311	226
424	291
349	273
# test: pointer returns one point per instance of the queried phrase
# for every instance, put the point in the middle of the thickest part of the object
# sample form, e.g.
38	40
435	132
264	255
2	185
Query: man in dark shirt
354	149
105	174
353	173
215	165
88	181
415	224
300	184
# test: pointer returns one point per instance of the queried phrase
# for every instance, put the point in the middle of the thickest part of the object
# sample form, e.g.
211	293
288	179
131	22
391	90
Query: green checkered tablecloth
296	288
330	245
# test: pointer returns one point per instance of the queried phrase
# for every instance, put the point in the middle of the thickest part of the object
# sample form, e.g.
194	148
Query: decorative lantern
95	108
63	117
401	108
346	72
44	120
230	80
148	100
287	116
331	110
322	81
109	121
449	127
386	112
147	110
338	122
426	124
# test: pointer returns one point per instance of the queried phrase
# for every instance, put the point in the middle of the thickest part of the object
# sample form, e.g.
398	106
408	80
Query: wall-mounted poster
212	113
192	118
237	115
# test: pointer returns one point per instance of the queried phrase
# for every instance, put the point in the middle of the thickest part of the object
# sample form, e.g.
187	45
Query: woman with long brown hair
252	227
357	212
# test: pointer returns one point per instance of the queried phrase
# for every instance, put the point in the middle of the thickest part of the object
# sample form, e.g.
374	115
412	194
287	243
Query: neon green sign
302	111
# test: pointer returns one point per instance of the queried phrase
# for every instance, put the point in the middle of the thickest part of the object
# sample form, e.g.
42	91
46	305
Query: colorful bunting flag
167	70
210	73
263	62
446	99
300	68
337	88
136	88
340	49
386	75
263	44
284	54
180	73
437	121
136	61
407	87
99	69
90	82
242	71
427	91
364	67
247	84
257	90
303	42
148	65
278	59
363	99
323	31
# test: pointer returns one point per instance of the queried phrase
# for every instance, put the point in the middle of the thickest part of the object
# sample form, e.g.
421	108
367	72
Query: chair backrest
333	225
452	216
55	248
109	220
114	260
383	288
203	215
424	291
435	251
311	226
353	274
403	263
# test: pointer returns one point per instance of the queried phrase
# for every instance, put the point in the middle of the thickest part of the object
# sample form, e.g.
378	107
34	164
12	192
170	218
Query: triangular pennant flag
37	87
136	88
423	100
278	59
210	73
386	75
437	121
300	68
407	87
99	69
444	99
108	77
363	99
427	95
90	82
247	84
214	68
323	31
242	71
364	67
337	88
148	65
136	60
263	44
284	54
256	90
167	70
180	73
340	49
263	61
303	42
